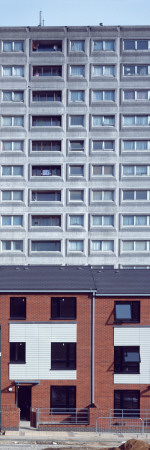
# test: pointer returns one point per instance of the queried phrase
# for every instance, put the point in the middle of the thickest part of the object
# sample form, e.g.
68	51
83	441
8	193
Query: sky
74	12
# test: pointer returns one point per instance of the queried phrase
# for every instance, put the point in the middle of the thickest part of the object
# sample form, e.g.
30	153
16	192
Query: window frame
57	409
59	314
67	363
16	350
121	366
14	306
126	412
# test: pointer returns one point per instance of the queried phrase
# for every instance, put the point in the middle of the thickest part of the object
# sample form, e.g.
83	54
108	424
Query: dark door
24	401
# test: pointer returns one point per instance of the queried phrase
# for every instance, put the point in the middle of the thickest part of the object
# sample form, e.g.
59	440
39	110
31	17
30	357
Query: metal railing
63	416
124	421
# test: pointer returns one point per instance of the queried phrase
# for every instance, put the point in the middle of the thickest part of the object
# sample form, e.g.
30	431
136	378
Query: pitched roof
122	281
46	278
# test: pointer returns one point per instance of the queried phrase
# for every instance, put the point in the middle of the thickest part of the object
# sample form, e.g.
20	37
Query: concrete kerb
69	439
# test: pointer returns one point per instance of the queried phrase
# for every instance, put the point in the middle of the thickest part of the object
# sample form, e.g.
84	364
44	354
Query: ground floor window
127	402
63	398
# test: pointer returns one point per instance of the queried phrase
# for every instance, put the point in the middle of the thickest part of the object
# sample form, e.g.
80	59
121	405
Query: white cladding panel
38	338
134	336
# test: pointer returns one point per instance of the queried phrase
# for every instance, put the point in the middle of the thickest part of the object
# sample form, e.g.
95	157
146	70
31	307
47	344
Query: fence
55	416
124	421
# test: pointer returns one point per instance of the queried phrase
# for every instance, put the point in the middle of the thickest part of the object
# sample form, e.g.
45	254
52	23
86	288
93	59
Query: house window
77	46
63	308
76	171
63	356
139	70
13	221
47	71
13	96
46	121
46	196
76	146
103	221
99	121
12	171
103	71
127	311
13	46
77	96
77	121
46	246
136	145
105	96
76	196
140	95
126	360
131	121
77	71
12	246
135	170
9	121
104	45
10	146
46	96
127	402
139	221
46	146
75	246
17	307
135	195
102	246
46	46
76	221
12	196
46	221
38	171
136	246
102	170
63	398
131	44
13	71
17	352
103	145
105	196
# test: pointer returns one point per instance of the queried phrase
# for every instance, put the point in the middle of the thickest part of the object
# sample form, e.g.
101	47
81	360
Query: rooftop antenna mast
40	16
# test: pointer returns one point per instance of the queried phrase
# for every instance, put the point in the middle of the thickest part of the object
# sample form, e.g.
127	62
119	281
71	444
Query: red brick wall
38	309
104	353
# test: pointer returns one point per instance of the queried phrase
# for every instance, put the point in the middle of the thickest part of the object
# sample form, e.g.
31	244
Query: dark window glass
53	196
46	171
46	96
63	355
47	71
129	44
126	360
17	308
46	146
46	221
63	308
46	121
142	44
46	46
127	311
141	195
63	398
17	352
127	403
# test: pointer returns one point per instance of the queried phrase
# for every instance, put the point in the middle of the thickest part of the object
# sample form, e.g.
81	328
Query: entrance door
24	401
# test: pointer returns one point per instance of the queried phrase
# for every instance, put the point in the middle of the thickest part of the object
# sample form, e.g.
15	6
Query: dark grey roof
75	279
46	278
122	281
